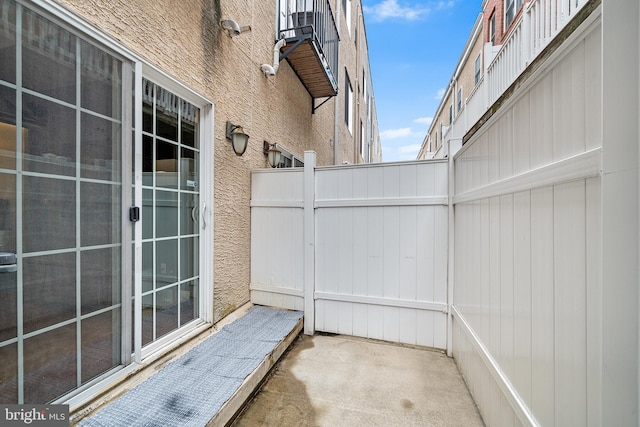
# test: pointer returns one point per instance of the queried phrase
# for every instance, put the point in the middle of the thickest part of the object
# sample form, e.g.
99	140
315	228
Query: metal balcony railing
312	43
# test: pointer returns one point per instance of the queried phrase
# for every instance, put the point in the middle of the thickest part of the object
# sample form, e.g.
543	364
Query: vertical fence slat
309	242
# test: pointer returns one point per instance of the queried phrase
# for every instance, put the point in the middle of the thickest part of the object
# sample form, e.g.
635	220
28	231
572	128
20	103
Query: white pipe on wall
271	70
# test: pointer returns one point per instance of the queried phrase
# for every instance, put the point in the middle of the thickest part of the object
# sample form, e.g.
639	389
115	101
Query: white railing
508	63
475	105
539	23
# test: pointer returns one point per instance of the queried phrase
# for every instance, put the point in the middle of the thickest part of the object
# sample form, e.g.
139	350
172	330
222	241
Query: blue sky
414	47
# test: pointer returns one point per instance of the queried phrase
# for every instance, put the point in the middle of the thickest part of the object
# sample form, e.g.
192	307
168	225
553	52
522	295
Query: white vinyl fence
528	286
541	255
380	248
381	251
277	245
532	31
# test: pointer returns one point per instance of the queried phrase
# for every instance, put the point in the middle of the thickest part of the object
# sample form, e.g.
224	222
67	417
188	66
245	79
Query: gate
373	259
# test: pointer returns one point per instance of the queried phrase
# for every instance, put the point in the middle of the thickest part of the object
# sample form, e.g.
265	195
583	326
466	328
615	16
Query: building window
346	8
361	139
478	67
511	8
288	160
459	106
450	113
348	102
364	85
492	28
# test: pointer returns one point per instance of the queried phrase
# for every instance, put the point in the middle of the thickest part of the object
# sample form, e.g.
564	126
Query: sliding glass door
72	163
60	208
170	212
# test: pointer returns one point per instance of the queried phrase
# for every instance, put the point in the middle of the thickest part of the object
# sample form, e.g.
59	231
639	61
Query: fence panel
526	250
380	248
277	263
381	239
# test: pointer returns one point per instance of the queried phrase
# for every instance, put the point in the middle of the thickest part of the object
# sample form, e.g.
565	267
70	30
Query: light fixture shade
239	141
273	156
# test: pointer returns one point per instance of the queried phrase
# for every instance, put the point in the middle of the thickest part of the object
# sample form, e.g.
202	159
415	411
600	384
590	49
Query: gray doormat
191	390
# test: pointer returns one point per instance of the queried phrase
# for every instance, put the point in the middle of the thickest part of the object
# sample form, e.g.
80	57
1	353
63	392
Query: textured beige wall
183	39
466	79
441	119
354	59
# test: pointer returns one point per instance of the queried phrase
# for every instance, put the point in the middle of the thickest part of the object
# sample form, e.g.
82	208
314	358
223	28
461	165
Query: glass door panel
170	214
60	208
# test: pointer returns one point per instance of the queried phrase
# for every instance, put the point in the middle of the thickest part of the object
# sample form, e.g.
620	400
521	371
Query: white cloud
446	4
424	120
440	93
390	9
387	9
395	133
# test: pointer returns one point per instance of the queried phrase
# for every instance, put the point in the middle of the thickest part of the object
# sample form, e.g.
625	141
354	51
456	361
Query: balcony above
311	44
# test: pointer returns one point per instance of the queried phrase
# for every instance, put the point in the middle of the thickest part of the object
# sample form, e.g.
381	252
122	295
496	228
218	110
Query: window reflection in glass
166	210
49	290
99	151
101	82
189	125
189	161
189	213
8	128
51	147
48	58
50	219
9	373
189	257
167	107
166	164
100	274
189	292
8	38
147	319
100	346
100	213
147	266
50	364
166	262
166	311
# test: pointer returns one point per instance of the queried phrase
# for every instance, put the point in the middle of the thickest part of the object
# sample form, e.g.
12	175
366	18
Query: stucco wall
183	39
466	80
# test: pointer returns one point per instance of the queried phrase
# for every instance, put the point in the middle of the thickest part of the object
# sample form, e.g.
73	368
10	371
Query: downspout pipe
271	70
336	116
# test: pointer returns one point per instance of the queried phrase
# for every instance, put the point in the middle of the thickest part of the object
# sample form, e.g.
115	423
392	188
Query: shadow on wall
211	16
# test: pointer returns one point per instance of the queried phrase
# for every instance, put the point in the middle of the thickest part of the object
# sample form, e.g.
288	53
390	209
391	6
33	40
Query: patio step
210	383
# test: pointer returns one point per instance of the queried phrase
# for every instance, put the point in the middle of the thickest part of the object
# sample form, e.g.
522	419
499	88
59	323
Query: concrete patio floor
335	380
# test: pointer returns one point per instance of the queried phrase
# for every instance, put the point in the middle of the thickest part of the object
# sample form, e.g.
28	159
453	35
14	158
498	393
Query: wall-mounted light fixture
272	153
238	138
232	27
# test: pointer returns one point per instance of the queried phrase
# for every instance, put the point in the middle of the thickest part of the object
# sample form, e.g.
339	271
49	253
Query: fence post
309	234
450	247
620	299
525	37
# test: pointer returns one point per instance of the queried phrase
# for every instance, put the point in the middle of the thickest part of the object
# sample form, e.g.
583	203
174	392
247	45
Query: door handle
11	268
204	211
